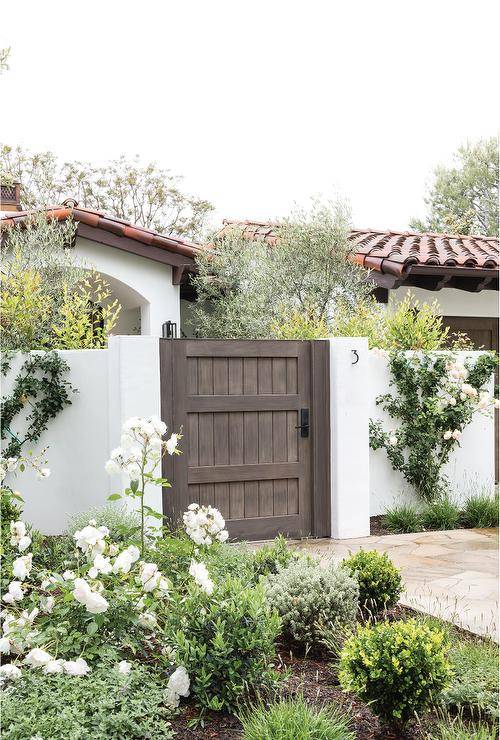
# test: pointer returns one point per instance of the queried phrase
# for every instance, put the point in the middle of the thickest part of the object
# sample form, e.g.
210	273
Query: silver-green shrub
307	597
121	522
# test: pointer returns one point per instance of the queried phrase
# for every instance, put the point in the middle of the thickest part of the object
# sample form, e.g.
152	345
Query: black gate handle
304	423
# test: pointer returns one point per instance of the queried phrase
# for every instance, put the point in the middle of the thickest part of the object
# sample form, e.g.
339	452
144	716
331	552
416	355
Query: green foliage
481	510
294	719
144	194
309	597
225	641
455	728
379	580
301	324
40	384
399	667
464	199
122	523
102	705
402	519
474	685
249	288
440	514
429	405
270	559
405	325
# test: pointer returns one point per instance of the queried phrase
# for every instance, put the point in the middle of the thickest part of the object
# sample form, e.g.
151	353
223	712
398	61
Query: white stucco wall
453	302
471	466
113	384
138	283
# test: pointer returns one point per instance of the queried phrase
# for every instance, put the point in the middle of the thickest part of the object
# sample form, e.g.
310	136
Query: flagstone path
451	574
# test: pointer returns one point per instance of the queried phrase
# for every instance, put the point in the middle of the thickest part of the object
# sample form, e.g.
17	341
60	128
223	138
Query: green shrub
481	511
269	559
225	641
456	729
474	684
308	596
102	705
399	667
441	514
122	523
379	580
402	519
294	719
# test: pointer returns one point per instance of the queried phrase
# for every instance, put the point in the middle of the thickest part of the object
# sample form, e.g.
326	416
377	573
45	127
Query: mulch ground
314	677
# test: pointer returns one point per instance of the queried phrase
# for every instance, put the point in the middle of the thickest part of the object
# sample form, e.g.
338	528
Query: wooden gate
255	425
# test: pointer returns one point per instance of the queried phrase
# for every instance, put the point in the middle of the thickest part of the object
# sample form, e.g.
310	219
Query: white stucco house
144	269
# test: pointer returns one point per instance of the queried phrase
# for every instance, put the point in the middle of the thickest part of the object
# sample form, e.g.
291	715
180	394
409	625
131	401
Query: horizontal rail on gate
236	473
233	348
267	402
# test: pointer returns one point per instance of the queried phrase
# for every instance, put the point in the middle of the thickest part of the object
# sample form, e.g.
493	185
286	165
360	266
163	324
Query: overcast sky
259	104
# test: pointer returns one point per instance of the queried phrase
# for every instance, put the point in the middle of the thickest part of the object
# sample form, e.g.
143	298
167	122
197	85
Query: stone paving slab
451	574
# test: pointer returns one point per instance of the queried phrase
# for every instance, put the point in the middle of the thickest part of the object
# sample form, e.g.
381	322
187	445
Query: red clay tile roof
111	224
396	252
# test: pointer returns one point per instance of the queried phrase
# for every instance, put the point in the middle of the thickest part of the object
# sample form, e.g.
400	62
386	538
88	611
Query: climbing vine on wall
41	389
437	396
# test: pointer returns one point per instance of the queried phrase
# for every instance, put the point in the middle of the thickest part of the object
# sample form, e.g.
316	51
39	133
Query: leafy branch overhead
39	385
144	194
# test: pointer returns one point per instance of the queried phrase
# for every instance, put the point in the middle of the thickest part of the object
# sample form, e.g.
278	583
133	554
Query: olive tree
248	288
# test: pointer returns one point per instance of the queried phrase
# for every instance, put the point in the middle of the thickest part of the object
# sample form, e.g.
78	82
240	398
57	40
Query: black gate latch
304	423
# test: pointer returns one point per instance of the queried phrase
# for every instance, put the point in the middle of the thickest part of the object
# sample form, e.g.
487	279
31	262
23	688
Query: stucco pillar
349	442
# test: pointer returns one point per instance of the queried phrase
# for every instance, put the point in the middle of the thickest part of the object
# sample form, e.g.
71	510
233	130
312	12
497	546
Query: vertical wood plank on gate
251	437
221	438
279	372
221	376
280	453
292	496
235	376
236	500
251	499
250	376
192	376
265	436
205	376
236	438
207	494
266	502
206	438
264	375
192	440
280	497
291	375
292	435
222	499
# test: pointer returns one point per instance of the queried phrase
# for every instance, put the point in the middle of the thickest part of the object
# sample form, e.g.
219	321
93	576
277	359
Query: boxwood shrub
380	583
399	667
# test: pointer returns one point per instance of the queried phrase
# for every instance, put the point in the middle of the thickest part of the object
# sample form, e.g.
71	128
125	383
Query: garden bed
315	678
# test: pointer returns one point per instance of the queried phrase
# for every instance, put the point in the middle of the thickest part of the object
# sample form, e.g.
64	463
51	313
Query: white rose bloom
21	567
8	598
53	666
47	604
171	444
15	590
81	590
223	536
393	440
9	671
23	543
78	667
148	620
102	564
150	577
17	529
92	572
124	667
200	574
456	434
453	402
178	685
90	538
4	645
37	658
134	553
159	425
447	434
96	604
112	467
133	471
68	575
126	441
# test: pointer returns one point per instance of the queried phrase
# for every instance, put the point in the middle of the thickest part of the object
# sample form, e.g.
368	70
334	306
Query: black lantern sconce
169	330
